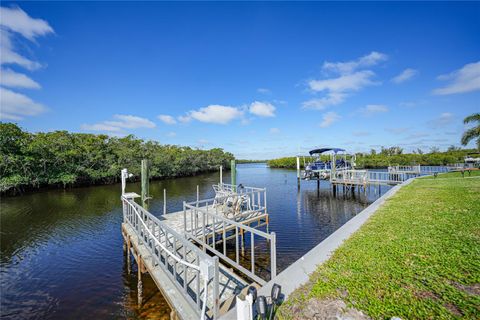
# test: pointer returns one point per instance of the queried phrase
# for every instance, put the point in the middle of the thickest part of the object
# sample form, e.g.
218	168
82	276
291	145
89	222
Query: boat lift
338	167
326	161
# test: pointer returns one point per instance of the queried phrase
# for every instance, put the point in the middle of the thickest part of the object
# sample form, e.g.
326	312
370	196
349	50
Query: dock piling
129	265
140	283
145	183
164	201
298	171
233	172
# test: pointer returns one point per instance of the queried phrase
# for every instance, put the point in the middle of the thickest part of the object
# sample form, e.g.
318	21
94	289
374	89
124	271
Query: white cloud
130	122
16	20
332	98
466	79
262	109
12	79
203	141
442	120
264	90
405	75
274	130
184	119
167	119
171	134
349	80
368	60
100	127
213	114
372	109
16	106
122	121
9	56
328	119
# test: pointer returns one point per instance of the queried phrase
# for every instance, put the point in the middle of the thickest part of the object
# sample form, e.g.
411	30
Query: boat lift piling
233	174
298	172
221	174
145	183
164	201
340	171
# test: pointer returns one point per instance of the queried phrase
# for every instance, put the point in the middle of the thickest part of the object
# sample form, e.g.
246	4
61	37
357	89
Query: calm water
61	251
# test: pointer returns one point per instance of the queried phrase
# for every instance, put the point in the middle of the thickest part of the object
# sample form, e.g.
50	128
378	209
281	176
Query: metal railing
237	201
409	169
364	177
207	223
178	257
418	169
437	169
380	177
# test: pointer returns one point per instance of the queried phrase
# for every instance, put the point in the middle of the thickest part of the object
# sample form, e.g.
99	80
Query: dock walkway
190	254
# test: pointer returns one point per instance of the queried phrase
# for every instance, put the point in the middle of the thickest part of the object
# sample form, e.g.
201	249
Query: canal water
61	250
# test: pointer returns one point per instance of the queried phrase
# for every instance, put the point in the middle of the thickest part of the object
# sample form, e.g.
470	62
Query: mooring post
298	171
164	201
140	284
233	172
128	256
145	183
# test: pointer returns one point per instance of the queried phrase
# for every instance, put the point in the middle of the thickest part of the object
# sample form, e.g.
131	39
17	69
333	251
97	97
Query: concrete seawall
299	272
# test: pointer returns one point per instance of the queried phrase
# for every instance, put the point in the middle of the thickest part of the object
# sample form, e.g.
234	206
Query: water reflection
61	251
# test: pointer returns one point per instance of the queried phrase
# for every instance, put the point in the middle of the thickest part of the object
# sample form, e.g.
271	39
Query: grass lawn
417	257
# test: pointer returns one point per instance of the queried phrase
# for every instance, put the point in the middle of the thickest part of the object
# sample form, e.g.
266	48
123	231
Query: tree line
61	158
390	157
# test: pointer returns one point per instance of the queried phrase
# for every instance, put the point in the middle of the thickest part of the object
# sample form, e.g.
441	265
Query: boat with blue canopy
326	160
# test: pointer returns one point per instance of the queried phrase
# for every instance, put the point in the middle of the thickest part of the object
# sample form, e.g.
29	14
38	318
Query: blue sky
260	80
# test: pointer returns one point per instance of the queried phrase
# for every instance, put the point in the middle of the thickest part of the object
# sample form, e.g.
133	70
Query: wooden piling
233	172
164	201
129	264
145	183
140	283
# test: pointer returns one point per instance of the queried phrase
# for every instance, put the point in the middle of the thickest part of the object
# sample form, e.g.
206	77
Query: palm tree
472	133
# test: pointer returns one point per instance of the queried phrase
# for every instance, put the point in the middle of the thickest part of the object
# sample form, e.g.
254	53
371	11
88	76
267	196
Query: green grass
418	256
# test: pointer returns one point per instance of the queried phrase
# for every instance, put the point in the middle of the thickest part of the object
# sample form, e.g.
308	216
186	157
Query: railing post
265	199
273	255
203	233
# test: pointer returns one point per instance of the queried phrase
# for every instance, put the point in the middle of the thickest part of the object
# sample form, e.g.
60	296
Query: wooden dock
195	255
